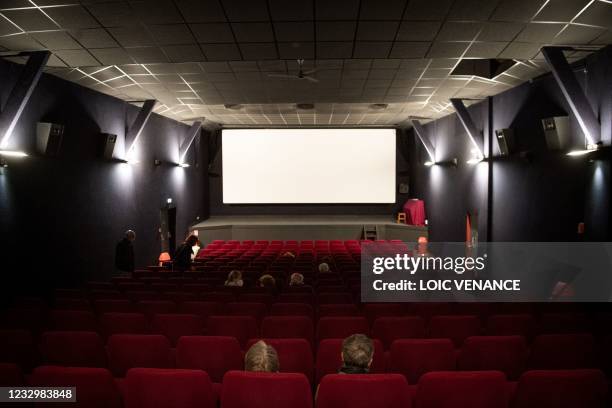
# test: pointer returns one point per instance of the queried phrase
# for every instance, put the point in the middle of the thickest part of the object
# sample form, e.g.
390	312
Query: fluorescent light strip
13	153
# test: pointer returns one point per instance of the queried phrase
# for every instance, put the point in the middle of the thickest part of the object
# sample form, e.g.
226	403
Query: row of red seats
219	354
177	388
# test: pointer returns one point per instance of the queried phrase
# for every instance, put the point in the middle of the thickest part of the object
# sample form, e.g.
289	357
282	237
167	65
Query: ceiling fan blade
311	79
310	71
282	76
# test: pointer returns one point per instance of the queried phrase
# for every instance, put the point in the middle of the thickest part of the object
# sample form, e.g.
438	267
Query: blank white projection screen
295	166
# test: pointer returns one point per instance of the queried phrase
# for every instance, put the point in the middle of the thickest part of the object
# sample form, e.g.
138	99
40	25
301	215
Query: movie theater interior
306	203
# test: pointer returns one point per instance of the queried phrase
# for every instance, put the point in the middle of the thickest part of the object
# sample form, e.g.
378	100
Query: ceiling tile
184	53
253	32
171	34
21	42
72	17
446	50
30	19
221	52
293	51
454	31
201	11
376	31
472	10
147	55
135	36
485	49
77	58
112	56
94	38
372	49
56	40
337	9
516	10
294	31
539	33
291	10
382	9
244	66
500	31
418	30
161	12
409	49
246	10
336	31
7	28
427	10
520	50
120	14
560	11
599	13
213	33
258	51
334	49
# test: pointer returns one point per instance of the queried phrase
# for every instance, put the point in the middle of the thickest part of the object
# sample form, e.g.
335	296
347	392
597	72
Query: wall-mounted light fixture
188	141
590	148
13	153
420	133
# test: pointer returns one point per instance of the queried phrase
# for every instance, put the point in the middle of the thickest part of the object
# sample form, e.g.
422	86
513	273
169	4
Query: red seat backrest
152	307
214	354
256	310
291	309
73	349
288	327
562	351
415	357
123	323
388	329
561	389
364	391
242	328
95	387
10	375
511	325
174	326
504	353
102	306
373	311
341	327
77	320
348	309
176	388
127	351
17	346
473	389
456	328
265	390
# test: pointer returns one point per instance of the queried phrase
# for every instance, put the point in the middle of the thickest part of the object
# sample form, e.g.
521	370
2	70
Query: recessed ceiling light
305	106
379	106
233	106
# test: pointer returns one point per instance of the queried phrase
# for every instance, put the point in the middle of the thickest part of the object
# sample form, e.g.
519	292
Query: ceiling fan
301	74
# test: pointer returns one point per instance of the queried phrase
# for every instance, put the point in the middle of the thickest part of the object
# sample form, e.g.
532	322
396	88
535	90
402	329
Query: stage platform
303	227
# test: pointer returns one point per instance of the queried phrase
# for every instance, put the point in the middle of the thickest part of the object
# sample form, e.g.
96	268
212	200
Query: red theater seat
388	329
415	357
338	310
77	320
265	390
73	349
561	389
288	327
173	326
202	309
214	354
153	307
341	327
562	351
242	328
150	387
255	310
473	389
511	325
95	387
456	328
329	361
71	304
102	306
334	298
504	353
295	298
556	323
17	346
123	323
127	351
295	355
10	375
373	311
364	391
291	309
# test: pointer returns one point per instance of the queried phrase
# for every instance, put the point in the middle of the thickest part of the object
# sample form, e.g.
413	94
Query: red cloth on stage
415	212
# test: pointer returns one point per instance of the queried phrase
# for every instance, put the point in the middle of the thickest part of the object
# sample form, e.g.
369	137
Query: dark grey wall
539	199
61	217
218	208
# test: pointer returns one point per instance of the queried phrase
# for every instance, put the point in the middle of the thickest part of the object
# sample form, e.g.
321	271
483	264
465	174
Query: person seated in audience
261	357
268	282
357	354
182	255
124	253
288	254
234	278
324	267
296	279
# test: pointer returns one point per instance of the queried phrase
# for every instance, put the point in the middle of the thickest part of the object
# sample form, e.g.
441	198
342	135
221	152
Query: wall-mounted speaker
108	145
556	132
49	138
505	141
404	188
